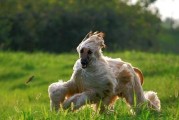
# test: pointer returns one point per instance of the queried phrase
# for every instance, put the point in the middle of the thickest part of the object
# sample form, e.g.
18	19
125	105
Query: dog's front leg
75	102
80	99
58	91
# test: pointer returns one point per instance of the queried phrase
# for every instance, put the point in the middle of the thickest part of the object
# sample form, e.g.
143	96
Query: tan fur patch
125	76
101	34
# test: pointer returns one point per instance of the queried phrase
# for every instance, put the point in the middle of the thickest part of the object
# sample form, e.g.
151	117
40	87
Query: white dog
97	79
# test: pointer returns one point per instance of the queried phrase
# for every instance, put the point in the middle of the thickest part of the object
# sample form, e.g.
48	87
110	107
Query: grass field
20	101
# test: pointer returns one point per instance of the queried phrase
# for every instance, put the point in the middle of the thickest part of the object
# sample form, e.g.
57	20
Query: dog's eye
81	51
89	52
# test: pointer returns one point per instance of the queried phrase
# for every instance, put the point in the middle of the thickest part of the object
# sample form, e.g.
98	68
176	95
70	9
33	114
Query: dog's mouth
84	66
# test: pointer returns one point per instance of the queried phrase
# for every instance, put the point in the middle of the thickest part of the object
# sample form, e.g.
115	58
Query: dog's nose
84	63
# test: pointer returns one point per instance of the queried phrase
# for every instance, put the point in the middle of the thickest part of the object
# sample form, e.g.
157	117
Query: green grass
19	101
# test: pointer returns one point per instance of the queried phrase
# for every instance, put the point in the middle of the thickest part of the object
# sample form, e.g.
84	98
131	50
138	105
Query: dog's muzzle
84	63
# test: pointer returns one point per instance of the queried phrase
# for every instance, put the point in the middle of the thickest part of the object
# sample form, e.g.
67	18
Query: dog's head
90	48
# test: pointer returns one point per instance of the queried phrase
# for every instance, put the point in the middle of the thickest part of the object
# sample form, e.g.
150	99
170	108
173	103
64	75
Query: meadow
21	101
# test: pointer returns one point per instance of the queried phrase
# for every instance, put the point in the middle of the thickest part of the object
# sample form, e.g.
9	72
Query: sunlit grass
30	101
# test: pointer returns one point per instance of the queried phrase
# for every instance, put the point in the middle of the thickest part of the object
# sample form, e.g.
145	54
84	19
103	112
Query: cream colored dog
97	79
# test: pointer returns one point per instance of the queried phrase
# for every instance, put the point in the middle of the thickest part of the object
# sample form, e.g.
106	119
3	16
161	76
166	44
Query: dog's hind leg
130	87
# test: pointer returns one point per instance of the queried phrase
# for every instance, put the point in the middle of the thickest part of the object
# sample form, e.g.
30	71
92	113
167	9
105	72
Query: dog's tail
139	74
153	99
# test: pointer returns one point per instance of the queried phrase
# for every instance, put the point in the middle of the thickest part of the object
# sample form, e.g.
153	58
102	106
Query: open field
19	101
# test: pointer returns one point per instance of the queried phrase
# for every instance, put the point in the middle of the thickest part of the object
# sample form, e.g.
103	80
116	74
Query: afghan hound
100	80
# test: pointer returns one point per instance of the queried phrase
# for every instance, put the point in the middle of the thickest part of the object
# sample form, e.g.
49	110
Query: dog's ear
101	40
101	34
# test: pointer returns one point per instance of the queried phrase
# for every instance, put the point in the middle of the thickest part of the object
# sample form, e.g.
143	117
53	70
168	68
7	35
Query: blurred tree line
59	25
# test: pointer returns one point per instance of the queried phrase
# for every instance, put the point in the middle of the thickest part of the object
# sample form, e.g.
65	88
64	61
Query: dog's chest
94	81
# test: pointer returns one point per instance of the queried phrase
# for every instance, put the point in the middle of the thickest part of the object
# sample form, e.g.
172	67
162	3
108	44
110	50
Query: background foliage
59	25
